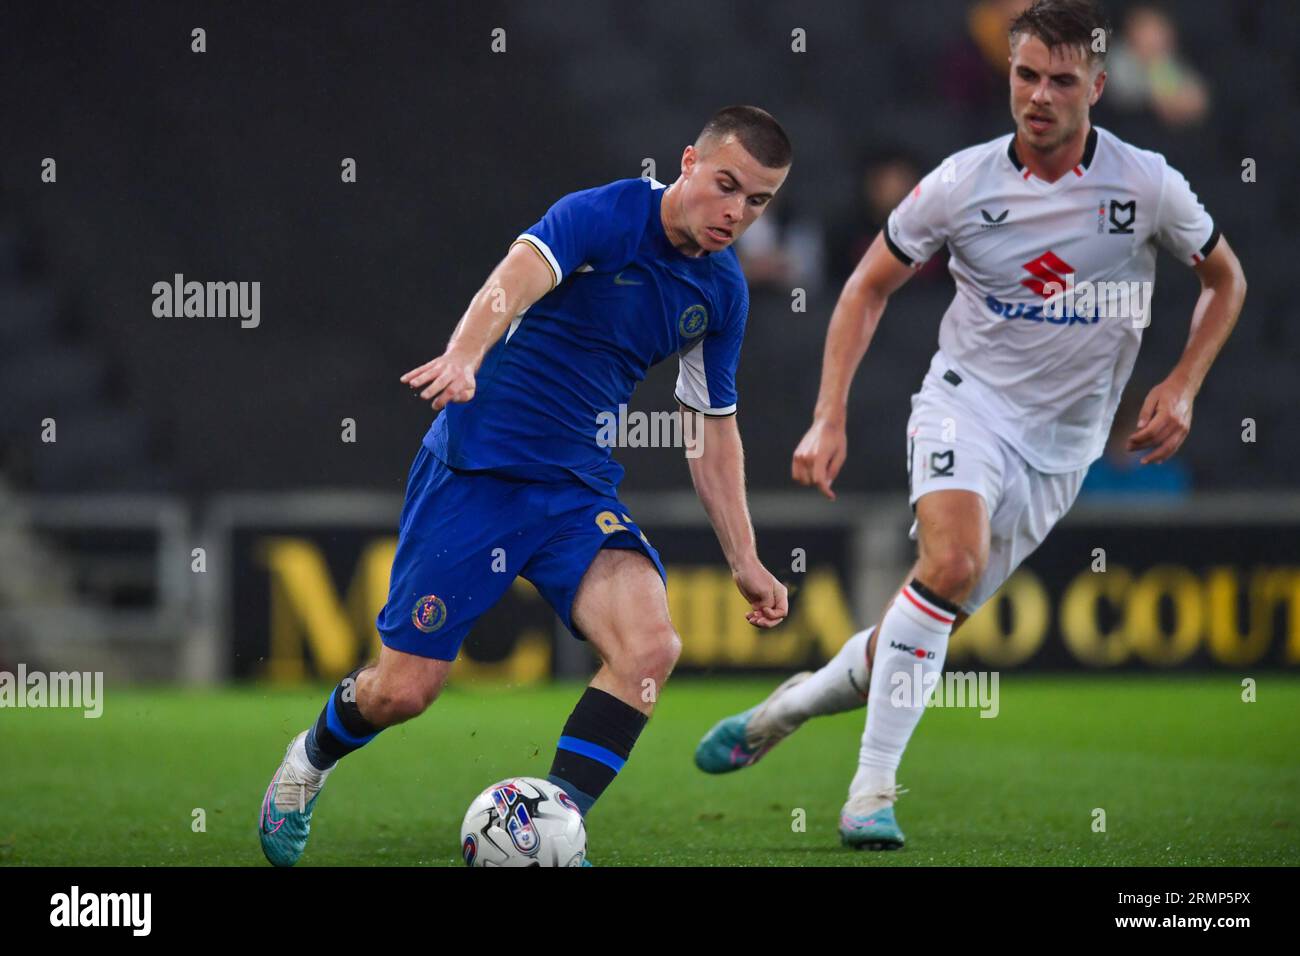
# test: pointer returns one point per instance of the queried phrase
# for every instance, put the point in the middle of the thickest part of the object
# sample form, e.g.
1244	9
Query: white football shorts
950	446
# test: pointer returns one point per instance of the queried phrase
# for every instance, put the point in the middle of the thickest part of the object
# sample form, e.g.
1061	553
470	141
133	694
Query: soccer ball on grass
523	821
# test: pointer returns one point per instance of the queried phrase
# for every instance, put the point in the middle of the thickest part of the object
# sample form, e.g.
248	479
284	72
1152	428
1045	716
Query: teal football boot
867	822
287	806
742	739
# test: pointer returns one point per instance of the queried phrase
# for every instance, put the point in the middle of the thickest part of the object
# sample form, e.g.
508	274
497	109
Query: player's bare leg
621	607
841	684
953	540
400	686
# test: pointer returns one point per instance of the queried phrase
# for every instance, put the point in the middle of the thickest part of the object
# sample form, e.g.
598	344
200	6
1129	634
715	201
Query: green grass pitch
1186	772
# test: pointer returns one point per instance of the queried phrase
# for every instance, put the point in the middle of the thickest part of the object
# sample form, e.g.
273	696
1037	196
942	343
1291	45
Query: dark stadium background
225	166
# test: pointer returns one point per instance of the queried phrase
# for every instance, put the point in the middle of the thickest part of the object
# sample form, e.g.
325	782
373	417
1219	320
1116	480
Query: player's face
1051	92
724	189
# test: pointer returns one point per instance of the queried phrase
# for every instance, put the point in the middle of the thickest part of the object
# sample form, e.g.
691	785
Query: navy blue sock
340	728
596	742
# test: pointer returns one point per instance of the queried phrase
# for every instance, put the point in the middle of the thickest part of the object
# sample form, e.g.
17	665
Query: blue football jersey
624	299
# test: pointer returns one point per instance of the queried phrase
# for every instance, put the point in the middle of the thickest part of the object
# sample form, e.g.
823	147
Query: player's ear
1098	85
690	156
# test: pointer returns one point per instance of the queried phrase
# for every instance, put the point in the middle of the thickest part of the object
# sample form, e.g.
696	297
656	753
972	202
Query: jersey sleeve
593	227
919	225
706	377
1183	226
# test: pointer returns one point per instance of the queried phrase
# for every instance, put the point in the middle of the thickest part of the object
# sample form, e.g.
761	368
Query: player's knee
654	655
665	648
951	572
671	650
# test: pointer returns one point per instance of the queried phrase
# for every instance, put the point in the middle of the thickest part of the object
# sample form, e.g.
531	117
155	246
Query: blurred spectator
1145	71
887	177
1118	472
782	250
975	67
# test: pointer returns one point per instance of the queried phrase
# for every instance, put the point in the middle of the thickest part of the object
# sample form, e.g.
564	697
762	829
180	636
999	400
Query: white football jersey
1053	283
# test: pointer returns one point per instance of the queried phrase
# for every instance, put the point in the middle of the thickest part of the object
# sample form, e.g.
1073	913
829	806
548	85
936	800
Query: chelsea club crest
429	613
693	321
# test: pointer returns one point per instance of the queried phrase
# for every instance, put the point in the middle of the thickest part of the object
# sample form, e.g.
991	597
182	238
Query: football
523	821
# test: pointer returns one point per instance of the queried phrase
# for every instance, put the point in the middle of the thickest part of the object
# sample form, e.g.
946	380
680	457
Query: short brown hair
1071	24
760	134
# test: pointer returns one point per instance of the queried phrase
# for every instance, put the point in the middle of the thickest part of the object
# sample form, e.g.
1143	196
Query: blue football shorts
464	536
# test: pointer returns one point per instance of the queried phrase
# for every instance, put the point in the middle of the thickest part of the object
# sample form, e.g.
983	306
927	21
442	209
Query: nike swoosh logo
619	280
266	807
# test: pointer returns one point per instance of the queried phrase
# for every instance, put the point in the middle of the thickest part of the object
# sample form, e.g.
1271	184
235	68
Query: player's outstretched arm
822	451
719	476
519	280
1166	416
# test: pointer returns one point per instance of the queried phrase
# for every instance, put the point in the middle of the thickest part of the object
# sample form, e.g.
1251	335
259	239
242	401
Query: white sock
912	645
842	684
302	763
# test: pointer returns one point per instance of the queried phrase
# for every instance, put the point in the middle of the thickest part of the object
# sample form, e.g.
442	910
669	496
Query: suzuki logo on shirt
1066	302
1037	313
1048	269
1051	276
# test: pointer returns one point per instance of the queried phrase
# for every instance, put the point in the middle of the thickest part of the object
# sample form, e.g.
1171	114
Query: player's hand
820	455
766	595
1164	421
448	378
